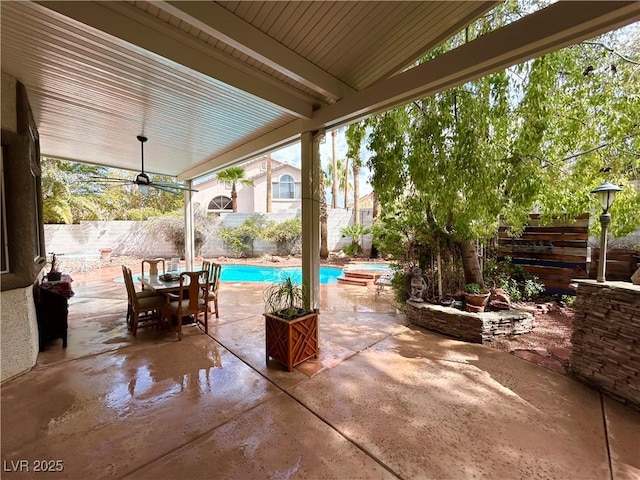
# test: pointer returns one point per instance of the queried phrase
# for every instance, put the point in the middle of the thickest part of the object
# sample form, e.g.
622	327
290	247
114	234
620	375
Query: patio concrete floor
384	400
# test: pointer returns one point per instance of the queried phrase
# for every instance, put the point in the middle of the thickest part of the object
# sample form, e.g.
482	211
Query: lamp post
606	193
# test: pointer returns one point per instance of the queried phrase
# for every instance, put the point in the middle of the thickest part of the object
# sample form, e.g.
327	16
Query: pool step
362	282
358	277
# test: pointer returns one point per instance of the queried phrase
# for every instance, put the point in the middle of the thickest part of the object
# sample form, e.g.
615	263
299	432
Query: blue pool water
249	273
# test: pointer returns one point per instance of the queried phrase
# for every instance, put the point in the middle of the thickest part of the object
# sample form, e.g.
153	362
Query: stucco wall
19	330
140	238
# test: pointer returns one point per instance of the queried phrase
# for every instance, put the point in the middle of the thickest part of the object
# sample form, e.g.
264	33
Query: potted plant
291	329
476	298
54	274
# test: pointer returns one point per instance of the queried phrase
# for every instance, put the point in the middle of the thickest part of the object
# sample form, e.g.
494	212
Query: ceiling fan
144	181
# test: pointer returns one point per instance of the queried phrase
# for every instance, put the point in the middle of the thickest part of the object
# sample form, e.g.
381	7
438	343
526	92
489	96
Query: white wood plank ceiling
214	83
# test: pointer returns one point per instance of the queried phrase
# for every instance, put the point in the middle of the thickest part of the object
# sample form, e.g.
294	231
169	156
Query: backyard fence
621	263
556	253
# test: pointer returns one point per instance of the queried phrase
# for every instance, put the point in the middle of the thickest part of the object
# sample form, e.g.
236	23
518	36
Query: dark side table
52	310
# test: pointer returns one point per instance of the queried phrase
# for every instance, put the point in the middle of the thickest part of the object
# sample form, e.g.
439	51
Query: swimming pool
251	273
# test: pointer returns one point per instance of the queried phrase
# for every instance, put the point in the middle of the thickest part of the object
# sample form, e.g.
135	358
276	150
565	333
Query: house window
220	204
286	189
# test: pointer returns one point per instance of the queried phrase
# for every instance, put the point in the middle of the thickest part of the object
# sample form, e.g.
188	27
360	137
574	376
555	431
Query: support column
189	228
311	217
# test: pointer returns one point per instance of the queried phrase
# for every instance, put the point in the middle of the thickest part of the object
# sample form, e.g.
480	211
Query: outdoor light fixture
606	194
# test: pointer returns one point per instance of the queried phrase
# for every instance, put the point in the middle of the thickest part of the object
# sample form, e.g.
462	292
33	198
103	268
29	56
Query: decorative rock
471	327
635	278
606	339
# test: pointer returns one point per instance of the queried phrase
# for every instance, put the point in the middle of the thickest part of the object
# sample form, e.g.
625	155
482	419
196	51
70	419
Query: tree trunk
356	192
346	183
376	212
470	264
324	247
269	185
334	180
234	198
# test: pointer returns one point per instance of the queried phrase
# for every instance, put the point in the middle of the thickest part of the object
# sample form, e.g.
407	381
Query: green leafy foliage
286	235
473	288
70	194
240	239
234	175
514	279
355	231
285	299
539	135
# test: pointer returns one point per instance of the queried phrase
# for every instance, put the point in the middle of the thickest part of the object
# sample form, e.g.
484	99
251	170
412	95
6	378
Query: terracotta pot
475	302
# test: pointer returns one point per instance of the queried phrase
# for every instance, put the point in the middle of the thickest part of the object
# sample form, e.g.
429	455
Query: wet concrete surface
383	400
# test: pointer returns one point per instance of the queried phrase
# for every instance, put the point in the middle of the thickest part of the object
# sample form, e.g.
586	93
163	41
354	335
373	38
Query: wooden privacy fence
621	263
555	254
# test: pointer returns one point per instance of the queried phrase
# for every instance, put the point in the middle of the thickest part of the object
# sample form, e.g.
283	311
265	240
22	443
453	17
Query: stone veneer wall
471	327
606	338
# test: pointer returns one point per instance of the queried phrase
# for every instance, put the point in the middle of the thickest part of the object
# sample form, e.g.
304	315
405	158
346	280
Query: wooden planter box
291	342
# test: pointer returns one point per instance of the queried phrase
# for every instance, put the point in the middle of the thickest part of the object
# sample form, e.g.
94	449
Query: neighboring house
215	195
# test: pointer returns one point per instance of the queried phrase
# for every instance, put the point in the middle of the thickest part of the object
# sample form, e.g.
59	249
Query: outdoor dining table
155	283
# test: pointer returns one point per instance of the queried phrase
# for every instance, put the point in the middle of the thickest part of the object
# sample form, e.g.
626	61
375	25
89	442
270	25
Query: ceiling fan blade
103	179
178	186
163	188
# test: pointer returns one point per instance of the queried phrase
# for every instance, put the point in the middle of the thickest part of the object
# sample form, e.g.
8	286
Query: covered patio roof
214	83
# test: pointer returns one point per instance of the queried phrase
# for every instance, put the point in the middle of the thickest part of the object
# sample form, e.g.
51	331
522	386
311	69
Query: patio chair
153	265
126	271
383	281
188	302
211	296
144	308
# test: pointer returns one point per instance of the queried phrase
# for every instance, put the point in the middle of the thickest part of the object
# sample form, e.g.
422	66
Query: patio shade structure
216	83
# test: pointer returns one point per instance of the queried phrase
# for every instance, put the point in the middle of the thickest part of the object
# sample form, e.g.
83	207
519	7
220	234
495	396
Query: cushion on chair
153	302
146	293
173	306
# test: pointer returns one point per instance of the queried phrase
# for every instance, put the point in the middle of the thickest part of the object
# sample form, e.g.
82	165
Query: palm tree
355	136
340	173
334	171
234	175
67	196
269	185
324	246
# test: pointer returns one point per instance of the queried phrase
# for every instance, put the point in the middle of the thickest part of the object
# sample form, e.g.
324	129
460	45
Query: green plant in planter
473	288
291	330
285	300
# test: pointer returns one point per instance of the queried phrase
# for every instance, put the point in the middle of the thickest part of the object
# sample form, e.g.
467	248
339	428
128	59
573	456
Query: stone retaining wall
471	327
606	339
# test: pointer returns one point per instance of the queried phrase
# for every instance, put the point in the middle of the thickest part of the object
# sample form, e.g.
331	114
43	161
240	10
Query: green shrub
473	288
514	279
355	231
240	239
286	235
399	284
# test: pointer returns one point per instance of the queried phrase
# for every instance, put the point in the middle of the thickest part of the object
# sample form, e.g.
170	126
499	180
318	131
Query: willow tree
542	134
